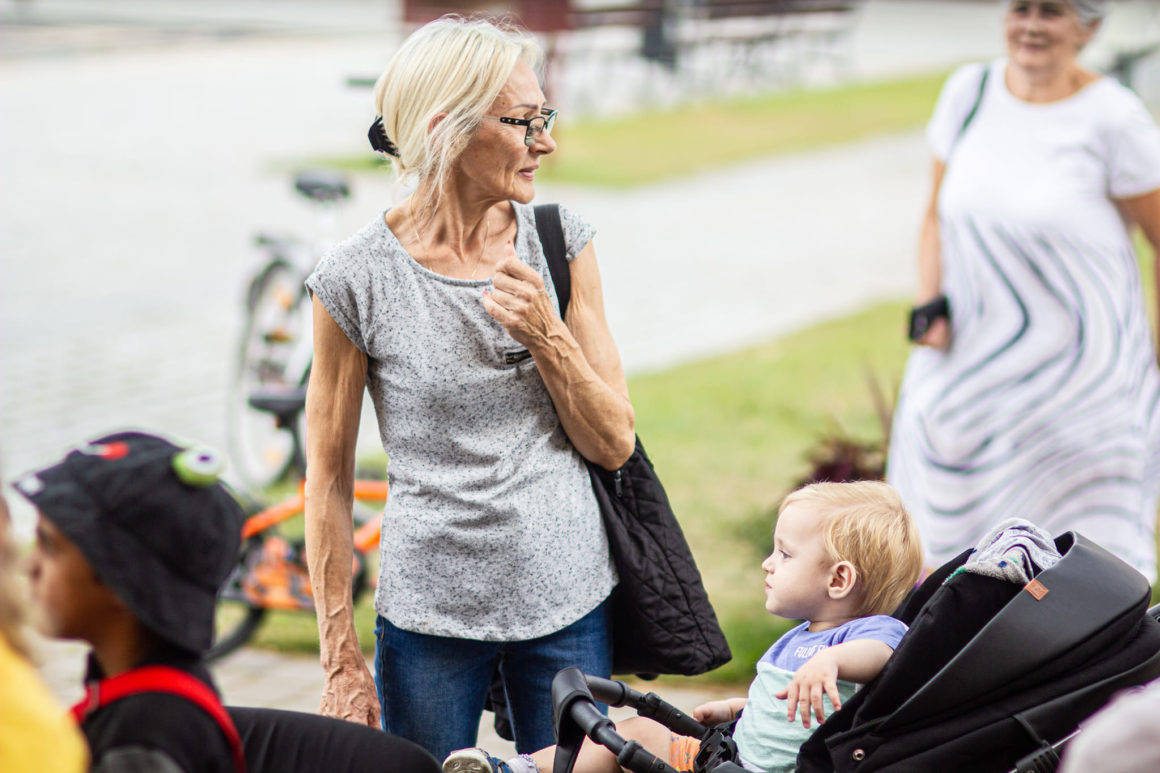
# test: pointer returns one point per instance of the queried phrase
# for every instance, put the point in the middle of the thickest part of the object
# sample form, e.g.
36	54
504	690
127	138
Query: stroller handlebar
649	705
612	692
574	697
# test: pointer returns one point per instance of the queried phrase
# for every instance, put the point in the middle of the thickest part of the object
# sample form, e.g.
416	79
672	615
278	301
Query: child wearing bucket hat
133	537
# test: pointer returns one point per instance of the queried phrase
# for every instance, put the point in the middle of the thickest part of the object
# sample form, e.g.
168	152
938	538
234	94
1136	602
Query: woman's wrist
927	294
340	656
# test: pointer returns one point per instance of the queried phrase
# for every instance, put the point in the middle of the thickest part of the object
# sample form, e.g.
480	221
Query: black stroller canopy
991	676
991	671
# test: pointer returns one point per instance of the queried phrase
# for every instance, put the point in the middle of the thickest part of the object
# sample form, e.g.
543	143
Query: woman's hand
520	302
350	694
577	359
817	675
937	336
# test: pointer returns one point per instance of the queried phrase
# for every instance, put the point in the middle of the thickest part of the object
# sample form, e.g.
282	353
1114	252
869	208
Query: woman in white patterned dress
1038	396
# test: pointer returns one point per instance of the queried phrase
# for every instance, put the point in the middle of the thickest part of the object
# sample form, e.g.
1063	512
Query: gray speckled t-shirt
491	530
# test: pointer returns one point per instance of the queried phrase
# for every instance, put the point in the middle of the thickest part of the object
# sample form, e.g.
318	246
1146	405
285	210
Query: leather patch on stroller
1036	589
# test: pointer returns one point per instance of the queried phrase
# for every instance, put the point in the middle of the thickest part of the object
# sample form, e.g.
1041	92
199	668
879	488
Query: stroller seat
991	676
992	672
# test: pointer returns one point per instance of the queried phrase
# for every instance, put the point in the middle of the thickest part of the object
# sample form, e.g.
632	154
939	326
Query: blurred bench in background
712	46
671	29
707	46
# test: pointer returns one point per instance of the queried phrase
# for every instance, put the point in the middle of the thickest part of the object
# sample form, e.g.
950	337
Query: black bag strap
654	559
551	230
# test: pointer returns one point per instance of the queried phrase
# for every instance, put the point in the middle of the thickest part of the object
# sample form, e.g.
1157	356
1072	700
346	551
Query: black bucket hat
153	521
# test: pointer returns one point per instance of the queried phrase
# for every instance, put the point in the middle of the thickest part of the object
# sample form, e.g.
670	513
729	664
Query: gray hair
1089	11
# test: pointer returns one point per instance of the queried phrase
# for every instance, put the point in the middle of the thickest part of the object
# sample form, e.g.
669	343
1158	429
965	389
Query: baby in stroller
844	556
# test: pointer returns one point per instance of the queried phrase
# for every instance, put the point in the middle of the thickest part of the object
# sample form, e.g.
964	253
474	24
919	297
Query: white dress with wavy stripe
1047	404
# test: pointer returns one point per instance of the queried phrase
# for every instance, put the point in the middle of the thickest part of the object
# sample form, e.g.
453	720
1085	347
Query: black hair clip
379	139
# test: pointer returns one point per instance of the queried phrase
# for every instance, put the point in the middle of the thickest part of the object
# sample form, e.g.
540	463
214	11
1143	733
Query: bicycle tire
274	351
236	619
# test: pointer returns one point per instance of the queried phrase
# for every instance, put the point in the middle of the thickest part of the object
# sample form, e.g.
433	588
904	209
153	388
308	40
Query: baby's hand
713	712
805	689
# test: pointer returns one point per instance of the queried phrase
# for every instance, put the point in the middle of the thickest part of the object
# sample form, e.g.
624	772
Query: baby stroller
992	676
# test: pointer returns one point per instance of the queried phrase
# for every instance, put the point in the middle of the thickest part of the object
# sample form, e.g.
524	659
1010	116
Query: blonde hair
453	65
12	608
865	523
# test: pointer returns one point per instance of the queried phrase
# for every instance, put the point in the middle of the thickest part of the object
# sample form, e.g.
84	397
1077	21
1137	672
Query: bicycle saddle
322	185
285	404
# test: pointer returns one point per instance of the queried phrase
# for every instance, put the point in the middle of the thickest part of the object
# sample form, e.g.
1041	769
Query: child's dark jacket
157	731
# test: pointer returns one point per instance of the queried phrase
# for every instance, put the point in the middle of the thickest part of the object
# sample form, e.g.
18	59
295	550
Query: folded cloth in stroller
992	671
989	673
1016	550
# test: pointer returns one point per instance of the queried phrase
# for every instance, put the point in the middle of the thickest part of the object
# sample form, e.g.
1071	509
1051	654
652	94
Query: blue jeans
432	688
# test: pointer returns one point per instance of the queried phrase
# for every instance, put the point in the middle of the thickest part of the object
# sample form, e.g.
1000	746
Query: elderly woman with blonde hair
493	551
1035	392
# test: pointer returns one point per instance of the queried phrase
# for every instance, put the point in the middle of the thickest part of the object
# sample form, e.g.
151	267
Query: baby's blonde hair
453	65
866	524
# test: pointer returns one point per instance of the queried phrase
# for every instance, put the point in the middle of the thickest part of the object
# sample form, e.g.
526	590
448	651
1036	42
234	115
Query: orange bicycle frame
366	536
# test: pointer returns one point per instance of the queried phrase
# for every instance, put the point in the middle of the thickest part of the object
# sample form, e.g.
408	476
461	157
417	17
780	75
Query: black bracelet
922	317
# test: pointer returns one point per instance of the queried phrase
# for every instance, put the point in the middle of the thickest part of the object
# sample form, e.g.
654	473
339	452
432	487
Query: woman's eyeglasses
535	126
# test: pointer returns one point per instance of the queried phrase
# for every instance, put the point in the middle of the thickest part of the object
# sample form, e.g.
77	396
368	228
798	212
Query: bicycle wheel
275	351
236	618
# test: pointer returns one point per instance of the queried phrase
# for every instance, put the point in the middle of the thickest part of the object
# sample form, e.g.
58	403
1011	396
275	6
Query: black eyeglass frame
546	119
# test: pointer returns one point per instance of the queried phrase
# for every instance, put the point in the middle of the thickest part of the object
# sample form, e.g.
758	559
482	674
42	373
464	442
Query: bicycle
271	572
276	347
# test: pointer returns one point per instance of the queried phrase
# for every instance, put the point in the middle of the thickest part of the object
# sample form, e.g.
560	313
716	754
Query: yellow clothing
36	735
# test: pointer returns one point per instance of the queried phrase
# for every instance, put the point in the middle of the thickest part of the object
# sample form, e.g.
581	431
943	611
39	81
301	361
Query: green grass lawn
656	145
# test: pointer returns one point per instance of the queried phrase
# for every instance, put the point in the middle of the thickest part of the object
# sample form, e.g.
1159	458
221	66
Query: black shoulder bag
662	621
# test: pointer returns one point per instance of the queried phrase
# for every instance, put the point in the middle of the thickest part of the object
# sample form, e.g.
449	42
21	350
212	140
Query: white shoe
473	760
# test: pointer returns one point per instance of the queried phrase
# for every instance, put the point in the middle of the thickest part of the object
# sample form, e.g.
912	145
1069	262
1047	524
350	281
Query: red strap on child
162	679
